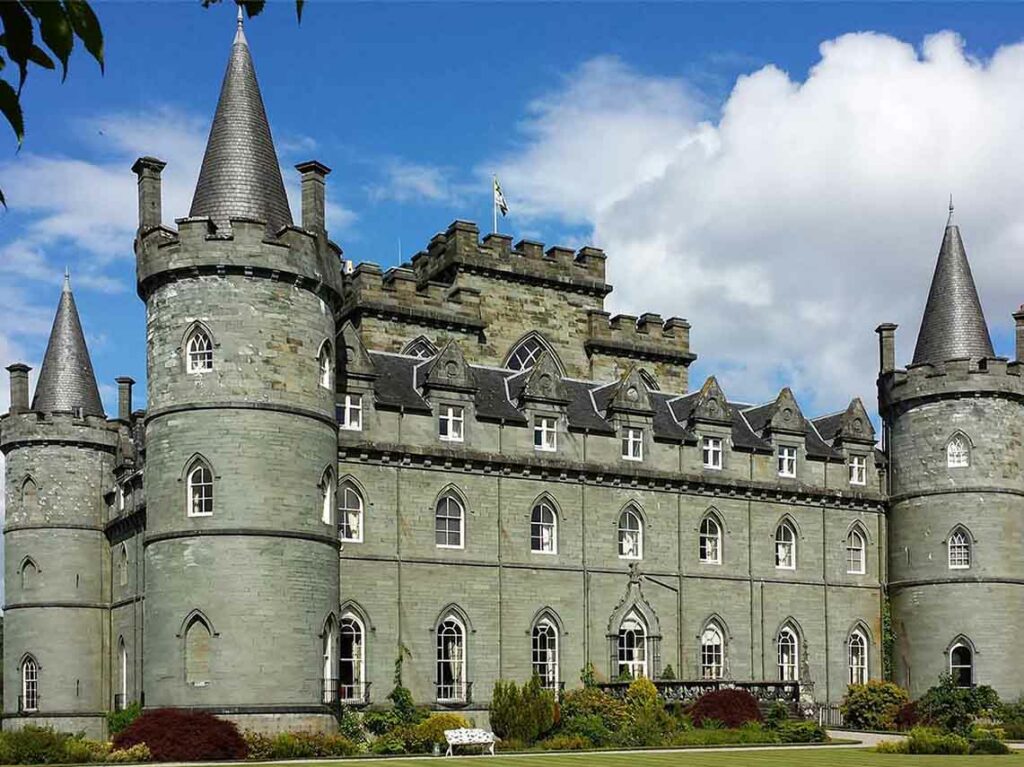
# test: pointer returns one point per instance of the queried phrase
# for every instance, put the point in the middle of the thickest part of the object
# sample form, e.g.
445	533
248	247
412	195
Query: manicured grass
823	757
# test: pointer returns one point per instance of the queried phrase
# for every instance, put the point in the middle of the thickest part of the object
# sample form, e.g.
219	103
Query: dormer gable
630	395
353	360
544	383
786	417
855	425
448	371
711	405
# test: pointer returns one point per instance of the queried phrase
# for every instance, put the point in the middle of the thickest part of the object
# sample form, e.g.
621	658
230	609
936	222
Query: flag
499	198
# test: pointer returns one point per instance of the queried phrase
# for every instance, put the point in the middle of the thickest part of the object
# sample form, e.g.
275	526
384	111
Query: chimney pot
886	347
1018	318
124	398
314	195
148	170
19	386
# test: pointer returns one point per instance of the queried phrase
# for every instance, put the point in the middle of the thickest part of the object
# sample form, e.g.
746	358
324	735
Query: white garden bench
466	736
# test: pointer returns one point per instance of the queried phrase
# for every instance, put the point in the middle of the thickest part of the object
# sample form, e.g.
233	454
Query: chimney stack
314	195
19	386
124	398
886	347
1018	318
148	170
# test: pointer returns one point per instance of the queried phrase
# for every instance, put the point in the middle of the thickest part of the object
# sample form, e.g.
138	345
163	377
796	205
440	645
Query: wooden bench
465	736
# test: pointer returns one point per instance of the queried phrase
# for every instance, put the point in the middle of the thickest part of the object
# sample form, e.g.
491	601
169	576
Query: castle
466	463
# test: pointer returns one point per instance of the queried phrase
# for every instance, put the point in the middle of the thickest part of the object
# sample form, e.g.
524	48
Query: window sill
631	558
447	546
544	553
628	458
345	427
710	562
786	567
545	449
201	514
458	440
350	540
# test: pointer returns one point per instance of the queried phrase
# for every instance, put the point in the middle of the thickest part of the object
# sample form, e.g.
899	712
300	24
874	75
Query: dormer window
787	461
352	413
711	452
958	452
450	423
545	436
858	470
633	444
199	352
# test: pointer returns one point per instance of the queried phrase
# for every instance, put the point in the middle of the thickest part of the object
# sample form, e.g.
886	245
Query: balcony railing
335	692
454	693
119	702
765	692
30	706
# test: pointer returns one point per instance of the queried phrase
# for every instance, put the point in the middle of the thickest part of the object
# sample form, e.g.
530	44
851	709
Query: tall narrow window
789	655
327	497
449	517
958	452
122	565
352	413
544	529
545	436
451	661
712	652
450	423
785	546
711	452
787	461
632	647
710	541
329	646
633	444
855	564
857	657
29	575
959	549
961	665
200	490
353	659
545	653
199	352
29	494
351	515
325	360
631	534
29	684
197	653
858	470
122	658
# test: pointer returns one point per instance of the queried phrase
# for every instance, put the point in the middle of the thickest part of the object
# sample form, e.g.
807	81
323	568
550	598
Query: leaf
38	56
3	200
55	29
87	27
17	36
10	108
298	9
253	7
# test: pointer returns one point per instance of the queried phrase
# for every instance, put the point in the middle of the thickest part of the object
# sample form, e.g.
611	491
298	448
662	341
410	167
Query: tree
56	24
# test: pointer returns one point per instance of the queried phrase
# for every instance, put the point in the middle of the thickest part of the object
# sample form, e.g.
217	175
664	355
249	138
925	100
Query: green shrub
873	706
589	727
592	701
380	722
989	746
350	725
1014	729
423	736
565	742
926	740
527	713
260	747
35	745
668	674
642	692
118	721
778	714
504	708
954	709
137	753
392	742
747	734
801	732
512	744
649	725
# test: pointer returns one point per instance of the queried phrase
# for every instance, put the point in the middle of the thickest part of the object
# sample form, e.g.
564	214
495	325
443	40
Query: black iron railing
686	691
335	692
454	693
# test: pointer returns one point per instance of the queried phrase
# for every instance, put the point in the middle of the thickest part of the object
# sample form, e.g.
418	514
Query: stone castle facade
467	463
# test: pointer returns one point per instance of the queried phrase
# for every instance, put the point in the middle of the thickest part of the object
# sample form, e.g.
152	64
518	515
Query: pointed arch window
451	661
29	493
122	565
329	645
632	647
199	351
544	529
29	684
631	534
198	646
959	549
855	553
857	657
449	523
420	347
325	362
710	544
785	546
545	653
327	497
961	664
350	522
712	652
958	451
29	574
121	698
789	655
524	354
199	480
353	659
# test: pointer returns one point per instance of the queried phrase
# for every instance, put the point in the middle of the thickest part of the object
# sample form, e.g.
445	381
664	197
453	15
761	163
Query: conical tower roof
66	381
240	176
953	324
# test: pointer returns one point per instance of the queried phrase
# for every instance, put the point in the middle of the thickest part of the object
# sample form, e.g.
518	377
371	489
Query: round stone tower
954	437
59	457
241	554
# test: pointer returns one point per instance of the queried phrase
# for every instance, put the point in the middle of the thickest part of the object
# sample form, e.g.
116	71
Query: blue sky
412	105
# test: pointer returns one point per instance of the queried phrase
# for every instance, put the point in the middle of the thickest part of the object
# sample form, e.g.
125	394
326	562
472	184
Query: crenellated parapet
961	378
460	248
644	337
68	429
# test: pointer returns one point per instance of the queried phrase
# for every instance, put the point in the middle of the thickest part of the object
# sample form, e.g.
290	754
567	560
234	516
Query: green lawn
823	757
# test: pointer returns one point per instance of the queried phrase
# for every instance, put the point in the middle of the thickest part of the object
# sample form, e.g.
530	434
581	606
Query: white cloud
790	223
413	182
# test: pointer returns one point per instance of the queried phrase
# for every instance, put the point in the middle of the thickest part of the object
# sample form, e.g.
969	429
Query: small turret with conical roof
953	434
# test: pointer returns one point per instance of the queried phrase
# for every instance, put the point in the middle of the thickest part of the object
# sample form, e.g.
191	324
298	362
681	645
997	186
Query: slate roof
953	324
240	175
66	379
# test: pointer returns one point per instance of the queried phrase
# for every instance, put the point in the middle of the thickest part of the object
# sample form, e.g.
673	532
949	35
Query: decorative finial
240	31
67	280
949	221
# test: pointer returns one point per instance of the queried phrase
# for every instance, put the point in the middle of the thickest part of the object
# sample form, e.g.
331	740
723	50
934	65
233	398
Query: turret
241	563
954	437
59	456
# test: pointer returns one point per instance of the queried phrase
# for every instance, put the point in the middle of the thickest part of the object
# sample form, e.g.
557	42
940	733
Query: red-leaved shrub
731	707
177	735
907	717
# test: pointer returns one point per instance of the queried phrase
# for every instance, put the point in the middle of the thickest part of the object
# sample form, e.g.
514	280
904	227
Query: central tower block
241	554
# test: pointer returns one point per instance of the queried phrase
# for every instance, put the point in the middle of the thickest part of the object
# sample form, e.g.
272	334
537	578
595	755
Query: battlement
34	427
961	377
460	248
643	337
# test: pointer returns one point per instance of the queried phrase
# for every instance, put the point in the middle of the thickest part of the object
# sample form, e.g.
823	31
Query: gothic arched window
631	534
122	565
122	670
451	661
959	549
449	523
855	551
29	684
327	496
632	647
329	646
544	529
325	362
545	652
350	522
353	658
712	652
710	545
958	451
199	482
198	351
789	655
857	657
420	347
198	641
29	574
961	664
785	546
